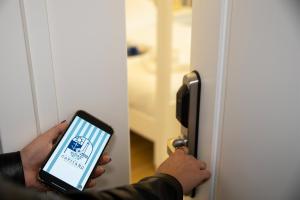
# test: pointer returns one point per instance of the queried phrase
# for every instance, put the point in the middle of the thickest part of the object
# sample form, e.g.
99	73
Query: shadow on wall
296	5
1	147
294	10
294	191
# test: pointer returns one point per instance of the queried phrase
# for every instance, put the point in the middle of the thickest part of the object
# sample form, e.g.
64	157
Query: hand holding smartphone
73	159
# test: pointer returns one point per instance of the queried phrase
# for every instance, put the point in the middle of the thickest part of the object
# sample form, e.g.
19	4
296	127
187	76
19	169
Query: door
58	57
247	53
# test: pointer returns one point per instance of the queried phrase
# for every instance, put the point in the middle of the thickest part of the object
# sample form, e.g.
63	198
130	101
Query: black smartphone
73	159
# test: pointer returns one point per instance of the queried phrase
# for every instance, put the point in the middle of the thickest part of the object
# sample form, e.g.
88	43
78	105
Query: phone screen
76	155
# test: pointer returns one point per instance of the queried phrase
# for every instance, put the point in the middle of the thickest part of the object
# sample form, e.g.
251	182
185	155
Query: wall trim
40	62
224	38
30	70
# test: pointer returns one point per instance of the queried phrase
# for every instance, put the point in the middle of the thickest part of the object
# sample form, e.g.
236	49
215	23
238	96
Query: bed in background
146	103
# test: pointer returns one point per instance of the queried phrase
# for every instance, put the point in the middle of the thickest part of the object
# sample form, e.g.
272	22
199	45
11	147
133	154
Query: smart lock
187	113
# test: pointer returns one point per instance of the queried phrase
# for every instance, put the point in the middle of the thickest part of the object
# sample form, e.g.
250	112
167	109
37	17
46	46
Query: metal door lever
177	143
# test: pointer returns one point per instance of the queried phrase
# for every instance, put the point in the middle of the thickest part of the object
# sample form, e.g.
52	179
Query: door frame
218	18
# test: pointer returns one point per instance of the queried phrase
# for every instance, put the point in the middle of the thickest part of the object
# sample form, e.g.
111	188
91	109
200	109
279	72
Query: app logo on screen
80	149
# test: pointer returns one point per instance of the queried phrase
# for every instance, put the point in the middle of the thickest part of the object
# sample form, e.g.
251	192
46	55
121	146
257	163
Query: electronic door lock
182	105
187	113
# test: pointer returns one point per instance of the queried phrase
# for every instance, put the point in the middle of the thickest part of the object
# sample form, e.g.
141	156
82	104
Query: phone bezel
56	183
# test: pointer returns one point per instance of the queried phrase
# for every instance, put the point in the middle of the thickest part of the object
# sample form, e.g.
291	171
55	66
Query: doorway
158	48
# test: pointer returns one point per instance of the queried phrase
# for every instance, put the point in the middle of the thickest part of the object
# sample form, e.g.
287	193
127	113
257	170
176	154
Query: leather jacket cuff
11	167
170	180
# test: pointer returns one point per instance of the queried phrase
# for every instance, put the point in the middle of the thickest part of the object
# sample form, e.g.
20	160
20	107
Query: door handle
187	113
175	143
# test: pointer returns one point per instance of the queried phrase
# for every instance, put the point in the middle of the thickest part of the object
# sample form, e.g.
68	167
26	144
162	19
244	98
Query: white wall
89	57
247	53
58	57
17	118
261	133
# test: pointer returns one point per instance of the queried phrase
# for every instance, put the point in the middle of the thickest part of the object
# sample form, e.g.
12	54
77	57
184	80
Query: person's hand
189	171
34	154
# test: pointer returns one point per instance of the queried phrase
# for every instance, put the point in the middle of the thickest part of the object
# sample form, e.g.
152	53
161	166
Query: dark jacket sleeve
158	187
11	167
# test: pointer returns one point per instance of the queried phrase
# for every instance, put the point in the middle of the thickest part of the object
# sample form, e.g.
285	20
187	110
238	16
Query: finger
42	188
105	159
62	127
183	149
202	164
204	176
54	132
98	172
91	183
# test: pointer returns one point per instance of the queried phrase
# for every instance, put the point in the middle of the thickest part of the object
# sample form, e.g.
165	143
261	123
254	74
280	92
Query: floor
141	157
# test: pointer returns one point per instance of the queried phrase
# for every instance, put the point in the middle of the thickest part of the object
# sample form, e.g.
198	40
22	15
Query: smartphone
73	159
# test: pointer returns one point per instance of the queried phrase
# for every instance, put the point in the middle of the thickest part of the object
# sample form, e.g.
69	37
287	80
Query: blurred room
158	47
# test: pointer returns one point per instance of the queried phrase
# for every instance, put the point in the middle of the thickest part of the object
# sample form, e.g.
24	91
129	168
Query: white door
58	57
247	53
